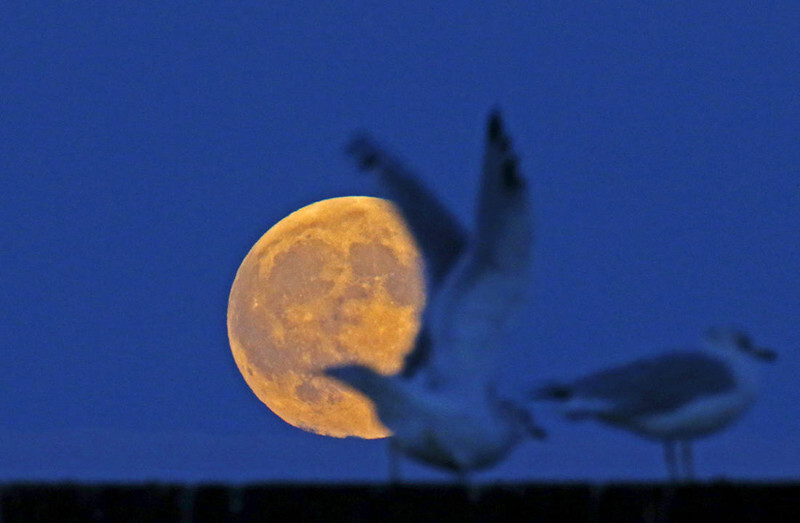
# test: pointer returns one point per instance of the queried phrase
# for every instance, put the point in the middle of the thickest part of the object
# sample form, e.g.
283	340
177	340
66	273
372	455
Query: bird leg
473	490
669	456
394	463
686	458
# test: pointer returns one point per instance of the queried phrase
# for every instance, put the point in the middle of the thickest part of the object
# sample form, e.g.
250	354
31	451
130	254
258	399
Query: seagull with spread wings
453	418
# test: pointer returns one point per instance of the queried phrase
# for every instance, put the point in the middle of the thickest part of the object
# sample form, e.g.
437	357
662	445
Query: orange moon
338	281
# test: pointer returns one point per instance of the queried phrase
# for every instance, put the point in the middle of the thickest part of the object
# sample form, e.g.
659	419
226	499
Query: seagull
674	397
454	419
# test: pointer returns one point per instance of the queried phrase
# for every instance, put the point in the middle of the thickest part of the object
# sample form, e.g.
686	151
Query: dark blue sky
144	149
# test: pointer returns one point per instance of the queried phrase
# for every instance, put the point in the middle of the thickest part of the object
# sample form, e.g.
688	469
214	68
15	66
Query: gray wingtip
363	150
494	129
552	392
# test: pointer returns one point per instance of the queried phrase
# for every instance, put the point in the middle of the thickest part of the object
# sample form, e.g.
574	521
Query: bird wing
402	405
490	281
660	384
440	236
419	357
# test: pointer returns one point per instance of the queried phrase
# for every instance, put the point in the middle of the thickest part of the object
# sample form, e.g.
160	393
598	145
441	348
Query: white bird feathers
443	408
674	397
452	417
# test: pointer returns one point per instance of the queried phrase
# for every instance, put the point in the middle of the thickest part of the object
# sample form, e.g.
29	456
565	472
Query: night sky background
144	147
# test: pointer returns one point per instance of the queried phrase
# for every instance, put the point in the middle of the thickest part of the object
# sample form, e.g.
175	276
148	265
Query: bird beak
537	432
764	353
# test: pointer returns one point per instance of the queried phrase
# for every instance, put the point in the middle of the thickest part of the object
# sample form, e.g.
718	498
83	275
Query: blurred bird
442	428
486	274
675	397
453	418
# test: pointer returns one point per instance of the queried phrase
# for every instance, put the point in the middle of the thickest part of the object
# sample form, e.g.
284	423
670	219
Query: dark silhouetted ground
409	503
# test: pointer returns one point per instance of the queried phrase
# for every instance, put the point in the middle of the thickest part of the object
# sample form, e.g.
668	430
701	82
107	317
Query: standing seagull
453	419
675	397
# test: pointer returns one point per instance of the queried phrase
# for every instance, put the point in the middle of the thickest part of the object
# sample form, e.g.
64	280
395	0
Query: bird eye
743	341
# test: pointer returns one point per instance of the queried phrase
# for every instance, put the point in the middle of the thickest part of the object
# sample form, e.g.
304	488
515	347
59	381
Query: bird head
728	338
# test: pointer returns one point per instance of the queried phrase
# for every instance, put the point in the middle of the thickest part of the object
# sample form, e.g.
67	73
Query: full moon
338	281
